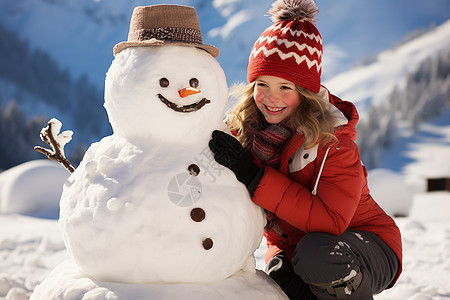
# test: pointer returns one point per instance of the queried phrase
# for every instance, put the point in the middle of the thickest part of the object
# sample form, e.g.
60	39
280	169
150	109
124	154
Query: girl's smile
274	110
275	97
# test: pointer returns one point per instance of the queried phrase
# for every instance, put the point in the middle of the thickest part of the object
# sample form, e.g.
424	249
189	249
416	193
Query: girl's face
275	97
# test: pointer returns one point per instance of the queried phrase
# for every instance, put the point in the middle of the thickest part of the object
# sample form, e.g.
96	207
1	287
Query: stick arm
51	136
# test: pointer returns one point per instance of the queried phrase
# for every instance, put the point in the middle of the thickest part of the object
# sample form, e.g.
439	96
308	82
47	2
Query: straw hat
159	25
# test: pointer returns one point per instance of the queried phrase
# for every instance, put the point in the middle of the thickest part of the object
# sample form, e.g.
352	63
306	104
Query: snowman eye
164	82
193	82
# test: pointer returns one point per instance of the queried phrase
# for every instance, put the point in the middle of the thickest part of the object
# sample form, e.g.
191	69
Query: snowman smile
185	108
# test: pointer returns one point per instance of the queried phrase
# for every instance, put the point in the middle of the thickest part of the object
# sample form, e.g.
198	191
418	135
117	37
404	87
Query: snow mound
390	191
66	282
32	188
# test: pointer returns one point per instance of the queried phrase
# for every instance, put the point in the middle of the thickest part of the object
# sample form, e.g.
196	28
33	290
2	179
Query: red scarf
268	144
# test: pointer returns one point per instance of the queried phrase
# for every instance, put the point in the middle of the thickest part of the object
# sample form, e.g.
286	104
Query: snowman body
149	204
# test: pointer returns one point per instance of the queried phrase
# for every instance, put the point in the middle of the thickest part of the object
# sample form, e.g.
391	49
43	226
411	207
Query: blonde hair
311	118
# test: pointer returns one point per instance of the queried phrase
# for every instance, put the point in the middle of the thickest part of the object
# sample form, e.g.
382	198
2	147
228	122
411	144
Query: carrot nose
188	91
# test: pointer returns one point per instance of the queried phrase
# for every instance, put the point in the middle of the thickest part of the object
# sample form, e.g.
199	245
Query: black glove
230	153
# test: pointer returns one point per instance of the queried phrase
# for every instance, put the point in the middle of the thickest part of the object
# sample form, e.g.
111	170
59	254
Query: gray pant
323	258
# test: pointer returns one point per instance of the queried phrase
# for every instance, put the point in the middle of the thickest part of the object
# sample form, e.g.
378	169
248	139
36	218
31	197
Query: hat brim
154	42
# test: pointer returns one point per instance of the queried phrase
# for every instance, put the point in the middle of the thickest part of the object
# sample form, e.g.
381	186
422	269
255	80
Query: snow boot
280	269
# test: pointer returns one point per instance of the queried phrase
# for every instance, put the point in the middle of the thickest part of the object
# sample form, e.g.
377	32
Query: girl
295	152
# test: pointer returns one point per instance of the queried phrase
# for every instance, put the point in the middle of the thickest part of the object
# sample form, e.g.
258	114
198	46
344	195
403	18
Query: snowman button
194	169
198	214
207	243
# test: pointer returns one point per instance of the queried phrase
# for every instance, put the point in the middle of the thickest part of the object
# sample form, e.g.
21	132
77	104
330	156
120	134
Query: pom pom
300	10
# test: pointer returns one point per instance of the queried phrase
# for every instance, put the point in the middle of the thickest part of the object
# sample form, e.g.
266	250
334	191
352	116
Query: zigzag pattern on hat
291	48
298	59
289	44
293	32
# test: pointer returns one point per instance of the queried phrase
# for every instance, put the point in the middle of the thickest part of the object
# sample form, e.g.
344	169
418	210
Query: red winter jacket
323	189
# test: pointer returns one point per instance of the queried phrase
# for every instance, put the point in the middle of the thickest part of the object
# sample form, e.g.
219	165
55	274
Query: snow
30	247
114	227
61	138
148	212
140	178
117	206
70	284
426	230
25	190
426	242
133	84
390	69
390	191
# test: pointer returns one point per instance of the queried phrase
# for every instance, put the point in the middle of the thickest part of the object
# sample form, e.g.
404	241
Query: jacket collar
347	109
292	146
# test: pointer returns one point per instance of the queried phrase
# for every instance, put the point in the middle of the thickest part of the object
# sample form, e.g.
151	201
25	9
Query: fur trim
300	10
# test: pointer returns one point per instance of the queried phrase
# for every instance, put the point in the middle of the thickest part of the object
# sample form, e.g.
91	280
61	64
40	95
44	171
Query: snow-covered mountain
80	34
400	87
371	84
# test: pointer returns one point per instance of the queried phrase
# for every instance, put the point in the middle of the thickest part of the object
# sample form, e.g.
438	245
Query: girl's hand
230	153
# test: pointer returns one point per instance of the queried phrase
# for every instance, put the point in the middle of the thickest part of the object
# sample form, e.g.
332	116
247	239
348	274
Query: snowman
148	207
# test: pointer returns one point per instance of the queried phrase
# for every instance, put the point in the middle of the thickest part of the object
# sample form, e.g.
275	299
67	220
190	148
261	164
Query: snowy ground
426	231
31	247
426	242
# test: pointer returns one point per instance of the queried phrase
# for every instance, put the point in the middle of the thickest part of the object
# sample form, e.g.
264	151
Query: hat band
173	34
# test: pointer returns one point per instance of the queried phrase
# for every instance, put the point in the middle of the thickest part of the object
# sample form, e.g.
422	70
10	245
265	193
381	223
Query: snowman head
175	93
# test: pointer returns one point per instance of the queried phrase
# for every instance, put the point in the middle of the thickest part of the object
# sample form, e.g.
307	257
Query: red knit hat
292	47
